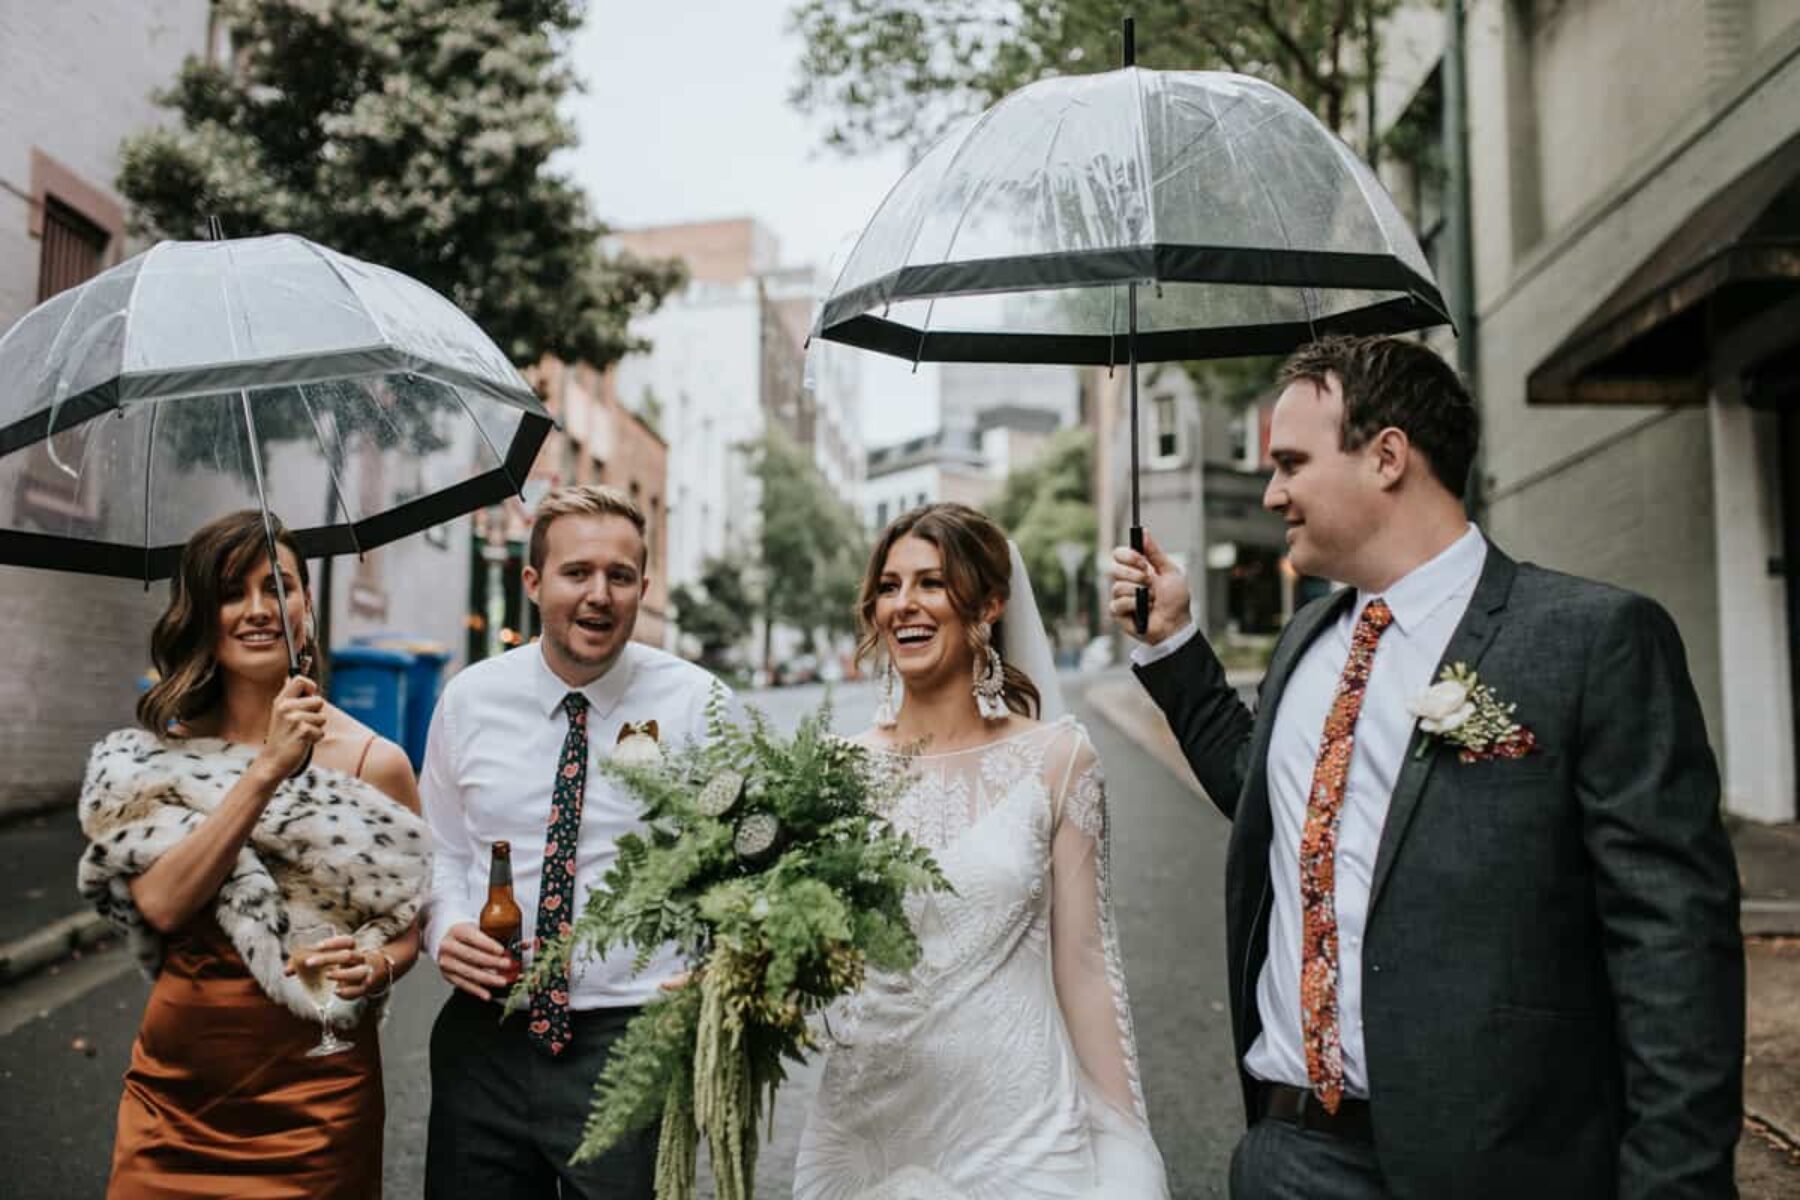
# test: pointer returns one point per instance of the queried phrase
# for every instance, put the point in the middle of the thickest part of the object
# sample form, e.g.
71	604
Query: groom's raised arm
1666	891
1184	676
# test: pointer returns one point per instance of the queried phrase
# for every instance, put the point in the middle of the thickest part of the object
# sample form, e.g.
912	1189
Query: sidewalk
41	916
1768	859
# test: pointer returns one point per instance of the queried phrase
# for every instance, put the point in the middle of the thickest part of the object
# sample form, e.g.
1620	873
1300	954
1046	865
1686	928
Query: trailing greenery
772	934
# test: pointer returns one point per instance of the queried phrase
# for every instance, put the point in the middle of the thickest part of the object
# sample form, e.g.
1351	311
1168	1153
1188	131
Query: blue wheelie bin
369	683
423	679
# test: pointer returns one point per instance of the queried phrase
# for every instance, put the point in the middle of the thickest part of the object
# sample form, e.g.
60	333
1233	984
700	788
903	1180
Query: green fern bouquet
767	862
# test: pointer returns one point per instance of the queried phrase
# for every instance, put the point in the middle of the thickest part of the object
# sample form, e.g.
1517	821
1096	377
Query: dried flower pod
756	836
721	793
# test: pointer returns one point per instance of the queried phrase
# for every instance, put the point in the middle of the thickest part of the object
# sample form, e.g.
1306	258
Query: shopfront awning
1720	295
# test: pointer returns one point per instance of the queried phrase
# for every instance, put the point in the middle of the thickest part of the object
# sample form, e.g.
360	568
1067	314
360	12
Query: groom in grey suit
1497	960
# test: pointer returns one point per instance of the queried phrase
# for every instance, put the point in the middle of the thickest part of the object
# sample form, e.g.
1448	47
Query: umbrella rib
368	309
131	304
1177	166
51	356
149	472
1287	240
912	240
498	457
1143	149
337	486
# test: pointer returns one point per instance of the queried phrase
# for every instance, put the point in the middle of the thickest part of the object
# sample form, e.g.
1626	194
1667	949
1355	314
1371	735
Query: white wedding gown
1003	1065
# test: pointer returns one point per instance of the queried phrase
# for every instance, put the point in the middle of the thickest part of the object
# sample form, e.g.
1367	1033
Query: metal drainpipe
1458	242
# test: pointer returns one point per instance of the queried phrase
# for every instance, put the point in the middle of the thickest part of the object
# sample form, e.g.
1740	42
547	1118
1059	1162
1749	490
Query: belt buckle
1309	1103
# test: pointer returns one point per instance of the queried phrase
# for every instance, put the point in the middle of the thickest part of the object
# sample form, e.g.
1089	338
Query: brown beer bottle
500	916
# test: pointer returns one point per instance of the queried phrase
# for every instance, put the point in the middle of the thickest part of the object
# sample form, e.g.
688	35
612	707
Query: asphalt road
65	1036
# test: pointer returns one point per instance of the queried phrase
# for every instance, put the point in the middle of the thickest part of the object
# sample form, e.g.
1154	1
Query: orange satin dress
221	1101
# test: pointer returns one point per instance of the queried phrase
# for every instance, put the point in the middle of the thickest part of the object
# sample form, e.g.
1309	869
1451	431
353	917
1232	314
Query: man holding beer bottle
523	827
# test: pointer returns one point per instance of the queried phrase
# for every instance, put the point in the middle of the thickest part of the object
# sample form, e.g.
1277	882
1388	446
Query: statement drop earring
887	713
990	680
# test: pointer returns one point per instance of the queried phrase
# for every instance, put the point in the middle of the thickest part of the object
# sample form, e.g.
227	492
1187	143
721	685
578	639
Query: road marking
44	993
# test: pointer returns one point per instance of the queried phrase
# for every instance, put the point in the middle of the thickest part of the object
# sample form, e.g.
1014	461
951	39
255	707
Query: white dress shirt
1428	604
489	772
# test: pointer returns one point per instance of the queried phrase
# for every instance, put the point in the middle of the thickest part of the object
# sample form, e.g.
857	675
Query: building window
1165	431
1415	145
73	250
64	498
881	515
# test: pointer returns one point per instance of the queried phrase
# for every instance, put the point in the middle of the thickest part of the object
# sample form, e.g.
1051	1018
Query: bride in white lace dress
1003	1064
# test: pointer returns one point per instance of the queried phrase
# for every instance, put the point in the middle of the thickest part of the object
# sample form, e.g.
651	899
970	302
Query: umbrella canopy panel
348	465
130	407
1012	238
191	318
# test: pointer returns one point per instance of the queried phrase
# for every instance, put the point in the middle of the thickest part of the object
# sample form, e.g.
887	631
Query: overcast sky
686	118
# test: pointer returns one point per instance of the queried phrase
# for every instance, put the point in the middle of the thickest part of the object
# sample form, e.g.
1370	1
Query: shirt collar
603	693
1421	591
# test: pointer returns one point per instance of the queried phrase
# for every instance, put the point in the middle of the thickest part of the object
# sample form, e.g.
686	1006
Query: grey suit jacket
1553	976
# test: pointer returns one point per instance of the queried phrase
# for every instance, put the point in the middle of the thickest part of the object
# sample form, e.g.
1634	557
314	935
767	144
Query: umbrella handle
300	668
1141	614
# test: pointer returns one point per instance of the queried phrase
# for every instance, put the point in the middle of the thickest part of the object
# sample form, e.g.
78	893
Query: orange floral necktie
1318	864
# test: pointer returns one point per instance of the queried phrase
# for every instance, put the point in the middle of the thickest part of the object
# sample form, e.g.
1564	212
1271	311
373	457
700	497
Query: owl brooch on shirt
638	745
1461	711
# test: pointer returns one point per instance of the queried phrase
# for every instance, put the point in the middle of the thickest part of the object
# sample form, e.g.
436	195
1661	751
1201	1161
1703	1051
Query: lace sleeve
1090	979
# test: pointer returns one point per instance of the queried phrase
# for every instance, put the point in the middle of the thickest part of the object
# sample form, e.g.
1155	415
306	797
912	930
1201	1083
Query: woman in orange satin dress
221	1099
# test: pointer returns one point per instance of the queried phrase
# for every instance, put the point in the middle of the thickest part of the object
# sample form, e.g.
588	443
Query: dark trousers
1276	1160
505	1116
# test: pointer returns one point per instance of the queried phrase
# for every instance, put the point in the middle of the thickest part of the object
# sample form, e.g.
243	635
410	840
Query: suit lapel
1474	633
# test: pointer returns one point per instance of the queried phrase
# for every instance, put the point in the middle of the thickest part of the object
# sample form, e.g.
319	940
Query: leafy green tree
416	135
887	71
811	545
717	609
1048	502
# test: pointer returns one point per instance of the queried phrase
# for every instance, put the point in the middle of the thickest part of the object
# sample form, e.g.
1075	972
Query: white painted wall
1756	751
704	367
74	80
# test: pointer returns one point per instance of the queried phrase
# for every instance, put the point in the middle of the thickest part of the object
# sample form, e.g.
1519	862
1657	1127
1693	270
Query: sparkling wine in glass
319	987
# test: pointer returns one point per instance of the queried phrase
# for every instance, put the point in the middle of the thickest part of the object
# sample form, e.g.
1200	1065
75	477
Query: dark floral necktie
550	1027
1318	864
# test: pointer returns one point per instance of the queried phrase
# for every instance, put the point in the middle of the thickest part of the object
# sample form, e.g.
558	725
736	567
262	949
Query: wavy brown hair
186	636
977	571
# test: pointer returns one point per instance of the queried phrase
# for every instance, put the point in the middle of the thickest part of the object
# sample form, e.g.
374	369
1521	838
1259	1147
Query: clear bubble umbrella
1131	216
270	373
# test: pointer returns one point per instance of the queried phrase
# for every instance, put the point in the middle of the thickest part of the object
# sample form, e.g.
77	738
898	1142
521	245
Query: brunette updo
977	571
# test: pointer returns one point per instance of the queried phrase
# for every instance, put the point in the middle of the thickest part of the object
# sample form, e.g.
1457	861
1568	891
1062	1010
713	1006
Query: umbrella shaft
262	501
1131	356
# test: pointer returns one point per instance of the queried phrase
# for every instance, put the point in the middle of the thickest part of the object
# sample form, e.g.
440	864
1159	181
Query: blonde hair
585	500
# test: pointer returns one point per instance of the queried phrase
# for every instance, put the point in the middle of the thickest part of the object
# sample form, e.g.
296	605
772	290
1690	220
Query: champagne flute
319	988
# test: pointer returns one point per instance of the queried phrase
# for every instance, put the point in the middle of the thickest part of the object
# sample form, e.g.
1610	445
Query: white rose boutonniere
1442	707
1463	711
638	745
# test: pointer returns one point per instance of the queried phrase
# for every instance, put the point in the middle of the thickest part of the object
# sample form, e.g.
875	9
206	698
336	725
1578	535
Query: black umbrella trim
82	556
1250	266
255	375
1099	350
